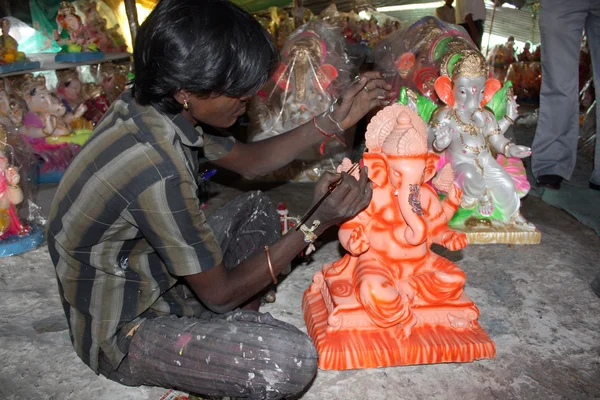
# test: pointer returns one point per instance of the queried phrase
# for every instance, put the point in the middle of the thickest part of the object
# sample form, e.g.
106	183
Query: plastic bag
30	40
21	220
313	71
415	56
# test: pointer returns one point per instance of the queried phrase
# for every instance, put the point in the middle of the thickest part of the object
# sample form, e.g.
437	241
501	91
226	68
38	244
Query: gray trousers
554	149
241	354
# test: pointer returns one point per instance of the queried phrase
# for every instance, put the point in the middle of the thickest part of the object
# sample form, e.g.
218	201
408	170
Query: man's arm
259	158
168	215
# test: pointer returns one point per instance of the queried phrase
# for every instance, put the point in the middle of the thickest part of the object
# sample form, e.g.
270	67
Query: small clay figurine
72	35
108	40
69	88
9	52
10	193
113	79
11	112
96	101
46	114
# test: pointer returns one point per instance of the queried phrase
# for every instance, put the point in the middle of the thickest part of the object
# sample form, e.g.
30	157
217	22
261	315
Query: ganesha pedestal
390	300
347	338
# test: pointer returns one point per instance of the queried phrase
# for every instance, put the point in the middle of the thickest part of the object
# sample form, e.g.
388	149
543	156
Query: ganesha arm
353	234
78	113
503	124
495	137
437	216
451	202
15	195
438	128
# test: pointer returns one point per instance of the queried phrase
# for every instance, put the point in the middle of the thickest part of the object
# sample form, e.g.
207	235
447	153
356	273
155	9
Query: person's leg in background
554	148
592	29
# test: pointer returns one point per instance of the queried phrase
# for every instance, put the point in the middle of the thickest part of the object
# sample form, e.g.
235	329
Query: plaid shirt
125	224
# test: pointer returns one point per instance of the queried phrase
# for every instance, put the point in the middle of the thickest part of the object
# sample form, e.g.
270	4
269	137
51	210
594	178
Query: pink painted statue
390	293
10	193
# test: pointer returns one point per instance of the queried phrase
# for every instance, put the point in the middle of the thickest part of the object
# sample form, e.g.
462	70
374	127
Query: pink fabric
516	169
31	119
442	161
56	156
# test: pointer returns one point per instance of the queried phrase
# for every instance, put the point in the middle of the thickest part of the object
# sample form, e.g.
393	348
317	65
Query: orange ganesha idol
390	300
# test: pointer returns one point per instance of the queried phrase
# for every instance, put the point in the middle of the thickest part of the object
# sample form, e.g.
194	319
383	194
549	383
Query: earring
185	105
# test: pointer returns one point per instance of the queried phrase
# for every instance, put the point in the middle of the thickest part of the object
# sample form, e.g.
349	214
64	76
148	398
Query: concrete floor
535	303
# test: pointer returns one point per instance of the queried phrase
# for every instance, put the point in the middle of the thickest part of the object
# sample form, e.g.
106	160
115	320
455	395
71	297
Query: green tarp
259	5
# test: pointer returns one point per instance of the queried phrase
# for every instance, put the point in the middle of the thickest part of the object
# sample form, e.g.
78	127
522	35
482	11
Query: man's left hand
361	97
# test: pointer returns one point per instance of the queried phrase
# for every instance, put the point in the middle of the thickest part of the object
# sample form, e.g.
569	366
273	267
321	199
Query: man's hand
347	200
357	101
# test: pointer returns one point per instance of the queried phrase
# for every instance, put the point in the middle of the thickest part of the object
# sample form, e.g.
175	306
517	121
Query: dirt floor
535	303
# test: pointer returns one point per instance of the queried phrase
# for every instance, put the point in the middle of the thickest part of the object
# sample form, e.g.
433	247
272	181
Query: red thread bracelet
328	136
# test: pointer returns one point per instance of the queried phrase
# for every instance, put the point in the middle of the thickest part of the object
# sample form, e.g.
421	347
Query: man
470	14
155	292
446	13
554	149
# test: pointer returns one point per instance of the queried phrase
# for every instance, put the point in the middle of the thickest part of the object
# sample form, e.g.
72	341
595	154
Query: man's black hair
202	46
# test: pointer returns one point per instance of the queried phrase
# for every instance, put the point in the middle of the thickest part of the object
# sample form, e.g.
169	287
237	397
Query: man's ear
181	96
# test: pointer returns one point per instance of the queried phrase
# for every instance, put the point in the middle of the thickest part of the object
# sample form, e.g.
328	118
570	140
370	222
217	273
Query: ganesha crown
66	8
470	65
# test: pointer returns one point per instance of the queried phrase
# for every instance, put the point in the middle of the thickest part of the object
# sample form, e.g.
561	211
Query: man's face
449	3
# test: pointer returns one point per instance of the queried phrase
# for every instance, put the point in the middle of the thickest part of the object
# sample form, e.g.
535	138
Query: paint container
283	217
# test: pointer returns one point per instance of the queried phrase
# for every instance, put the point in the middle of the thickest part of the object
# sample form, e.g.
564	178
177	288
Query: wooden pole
132	18
487	50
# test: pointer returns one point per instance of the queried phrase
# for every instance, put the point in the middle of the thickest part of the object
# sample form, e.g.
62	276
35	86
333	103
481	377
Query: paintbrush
330	189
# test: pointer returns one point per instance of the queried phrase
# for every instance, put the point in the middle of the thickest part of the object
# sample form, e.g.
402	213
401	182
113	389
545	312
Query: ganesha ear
492	85
325	75
431	166
377	165
281	76
443	88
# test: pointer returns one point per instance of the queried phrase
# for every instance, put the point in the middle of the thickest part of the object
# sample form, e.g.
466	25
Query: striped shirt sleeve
216	147
168	215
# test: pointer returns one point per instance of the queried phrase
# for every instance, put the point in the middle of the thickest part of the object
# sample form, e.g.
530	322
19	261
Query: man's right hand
347	200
